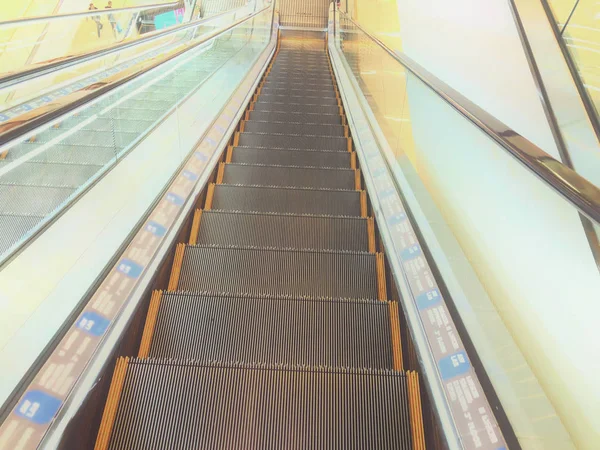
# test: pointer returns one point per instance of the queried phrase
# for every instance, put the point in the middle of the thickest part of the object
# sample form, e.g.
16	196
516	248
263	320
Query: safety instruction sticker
28	422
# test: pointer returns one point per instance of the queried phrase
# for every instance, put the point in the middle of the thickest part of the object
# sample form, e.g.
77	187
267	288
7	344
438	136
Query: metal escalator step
306	158
187	326
160	404
296	108
32	200
304	100
299	71
88	138
298	273
289	176
312	129
297	77
130	125
14	228
286	200
290	141
317	68
298	84
325	92
281	116
43	174
73	154
283	231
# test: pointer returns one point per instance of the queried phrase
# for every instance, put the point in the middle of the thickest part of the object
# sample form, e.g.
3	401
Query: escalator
276	330
43	173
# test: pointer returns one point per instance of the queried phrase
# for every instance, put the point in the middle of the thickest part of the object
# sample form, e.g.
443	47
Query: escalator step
51	175
315	92
319	274
284	231
309	332
288	141
279	116
285	200
14	228
287	72
296	108
279	157
298	100
299	84
185	404
265	175
314	129
73	154
32	200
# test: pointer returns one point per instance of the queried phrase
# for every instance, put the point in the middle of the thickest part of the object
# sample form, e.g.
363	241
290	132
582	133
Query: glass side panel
19	98
578	22
524	245
30	44
46	172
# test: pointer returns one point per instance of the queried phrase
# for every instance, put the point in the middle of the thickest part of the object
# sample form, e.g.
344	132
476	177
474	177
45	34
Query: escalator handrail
577	190
20	125
68	60
96	12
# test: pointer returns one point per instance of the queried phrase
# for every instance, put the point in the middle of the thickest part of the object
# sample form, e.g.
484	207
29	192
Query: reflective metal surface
584	195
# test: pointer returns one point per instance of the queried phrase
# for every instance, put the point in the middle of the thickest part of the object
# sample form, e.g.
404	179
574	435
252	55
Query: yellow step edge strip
416	411
381	287
363	204
176	270
209	197
195	227
396	340
346	131
220	173
371	234
242	126
357	183
236	139
229	154
349	144
353	160
112	404
150	324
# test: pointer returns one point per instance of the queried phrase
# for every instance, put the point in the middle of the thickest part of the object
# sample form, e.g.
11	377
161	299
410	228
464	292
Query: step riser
288	141
243	271
289	177
314	333
325	101
295	108
289	128
300	118
283	231
292	201
248	155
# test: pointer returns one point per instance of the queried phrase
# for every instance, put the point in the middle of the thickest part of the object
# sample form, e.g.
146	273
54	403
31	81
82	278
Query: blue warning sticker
190	175
38	407
428	299
410	252
130	268
454	365
175	199
93	323
155	228
397	218
201	156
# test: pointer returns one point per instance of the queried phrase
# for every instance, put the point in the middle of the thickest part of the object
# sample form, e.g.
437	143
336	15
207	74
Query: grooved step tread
274	127
288	141
295	117
310	332
286	200
280	157
283	231
242	406
279	272
264	175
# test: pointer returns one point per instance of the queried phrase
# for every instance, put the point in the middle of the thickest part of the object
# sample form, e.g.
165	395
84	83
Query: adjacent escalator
276	330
